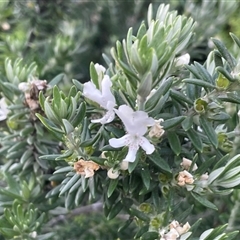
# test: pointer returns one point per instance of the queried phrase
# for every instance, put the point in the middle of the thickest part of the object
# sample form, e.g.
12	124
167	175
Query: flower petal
107	118
146	145
131	156
125	113
134	122
90	91
120	142
106	92
99	68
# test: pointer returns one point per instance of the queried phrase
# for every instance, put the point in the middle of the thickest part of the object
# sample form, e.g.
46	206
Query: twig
95	207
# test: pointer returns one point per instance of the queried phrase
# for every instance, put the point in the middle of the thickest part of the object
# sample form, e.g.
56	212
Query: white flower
104	98
182	60
3	109
136	124
99	68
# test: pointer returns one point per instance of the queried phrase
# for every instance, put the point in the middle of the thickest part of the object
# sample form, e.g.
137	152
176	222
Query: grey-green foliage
199	105
192	109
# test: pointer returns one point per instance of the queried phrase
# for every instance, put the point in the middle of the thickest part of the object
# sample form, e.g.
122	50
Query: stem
233	216
75	145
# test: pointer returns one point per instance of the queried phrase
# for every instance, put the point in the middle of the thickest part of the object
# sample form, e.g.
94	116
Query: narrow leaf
209	130
204	201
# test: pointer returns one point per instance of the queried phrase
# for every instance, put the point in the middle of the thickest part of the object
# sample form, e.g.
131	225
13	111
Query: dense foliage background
56	41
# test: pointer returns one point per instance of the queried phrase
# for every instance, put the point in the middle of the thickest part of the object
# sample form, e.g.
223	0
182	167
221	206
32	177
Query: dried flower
156	130
171	235
204	177
86	168
185	177
186	164
180	229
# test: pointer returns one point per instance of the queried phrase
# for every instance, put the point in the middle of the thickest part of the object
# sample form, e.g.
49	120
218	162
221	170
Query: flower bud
124	165
112	174
182	60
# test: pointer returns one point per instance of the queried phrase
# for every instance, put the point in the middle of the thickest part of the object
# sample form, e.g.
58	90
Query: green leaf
141	231
133	165
158	161
50	113
145	86
187	123
204	201
224	52
203	73
199	82
79	197
56	79
174	142
49	124
162	90
136	213
173	122
209	130
217	59
92	187
76	185
112	186
150	236
179	96
225	73
231	97
70	183
125	225
195	139
116	208
94	75
146	177
221	116
69	201
63	170
67	126
78	84
50	157
57	97
184	215
80	114
235	39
